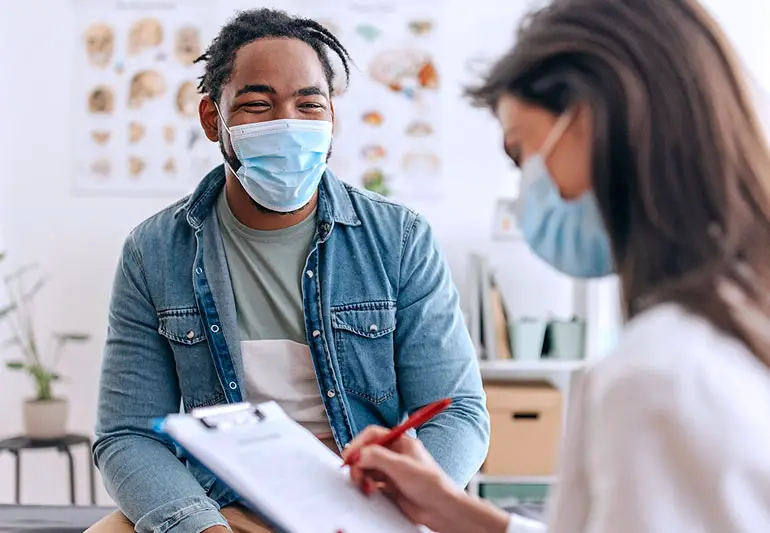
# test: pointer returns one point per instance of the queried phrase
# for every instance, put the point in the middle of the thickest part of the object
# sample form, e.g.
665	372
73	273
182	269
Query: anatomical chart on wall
137	114
387	134
137	108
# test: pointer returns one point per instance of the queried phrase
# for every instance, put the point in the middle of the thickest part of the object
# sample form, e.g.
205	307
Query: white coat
668	434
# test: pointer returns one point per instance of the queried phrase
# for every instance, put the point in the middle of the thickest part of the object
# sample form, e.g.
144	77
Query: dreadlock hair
248	26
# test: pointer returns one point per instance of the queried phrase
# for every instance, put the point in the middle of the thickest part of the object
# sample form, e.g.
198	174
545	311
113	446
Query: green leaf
22	271
16	365
7	310
34	290
2	256
72	337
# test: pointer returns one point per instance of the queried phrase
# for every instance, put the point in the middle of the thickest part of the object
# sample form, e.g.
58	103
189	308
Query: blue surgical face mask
568	234
282	161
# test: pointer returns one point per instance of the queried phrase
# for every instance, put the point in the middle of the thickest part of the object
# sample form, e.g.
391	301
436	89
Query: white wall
77	240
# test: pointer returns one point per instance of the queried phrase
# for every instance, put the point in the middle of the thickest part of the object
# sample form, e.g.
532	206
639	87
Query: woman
641	154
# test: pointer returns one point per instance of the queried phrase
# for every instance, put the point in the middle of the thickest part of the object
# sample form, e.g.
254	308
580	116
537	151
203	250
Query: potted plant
45	415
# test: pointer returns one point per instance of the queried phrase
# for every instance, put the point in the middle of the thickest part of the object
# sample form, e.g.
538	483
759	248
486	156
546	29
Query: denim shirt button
215	329
233	385
199	271
316	333
373	328
309	273
330	393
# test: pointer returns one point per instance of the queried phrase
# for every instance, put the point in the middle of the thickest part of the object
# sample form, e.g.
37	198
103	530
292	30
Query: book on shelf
502	339
487	317
474	304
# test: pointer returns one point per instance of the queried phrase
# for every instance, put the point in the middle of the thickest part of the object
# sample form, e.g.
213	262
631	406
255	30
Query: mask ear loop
222	120
555	134
558	129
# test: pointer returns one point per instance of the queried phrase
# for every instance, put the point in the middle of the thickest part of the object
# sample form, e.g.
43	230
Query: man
276	281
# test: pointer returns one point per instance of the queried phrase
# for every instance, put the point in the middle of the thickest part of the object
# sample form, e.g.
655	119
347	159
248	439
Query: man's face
273	79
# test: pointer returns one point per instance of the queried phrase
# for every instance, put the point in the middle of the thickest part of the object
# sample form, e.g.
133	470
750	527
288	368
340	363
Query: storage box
526	420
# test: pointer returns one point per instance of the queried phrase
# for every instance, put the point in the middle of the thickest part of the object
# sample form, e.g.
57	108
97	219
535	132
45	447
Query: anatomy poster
137	109
387	136
137	129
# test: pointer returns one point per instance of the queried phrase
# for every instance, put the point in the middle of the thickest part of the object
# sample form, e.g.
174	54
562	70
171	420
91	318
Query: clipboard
281	470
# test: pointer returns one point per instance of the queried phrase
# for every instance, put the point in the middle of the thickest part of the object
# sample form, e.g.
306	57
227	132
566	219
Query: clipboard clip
229	416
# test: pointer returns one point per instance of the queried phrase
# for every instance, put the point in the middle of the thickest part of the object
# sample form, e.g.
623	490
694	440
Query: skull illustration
100	44
188	45
145	85
145	33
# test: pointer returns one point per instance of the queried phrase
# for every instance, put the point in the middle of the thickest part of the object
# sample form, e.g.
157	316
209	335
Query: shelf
508	369
514	480
521	480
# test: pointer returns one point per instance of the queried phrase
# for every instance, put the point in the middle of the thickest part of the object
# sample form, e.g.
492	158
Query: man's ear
209	118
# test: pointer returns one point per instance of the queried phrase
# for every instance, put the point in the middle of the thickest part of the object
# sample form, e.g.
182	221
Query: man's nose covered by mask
282	161
567	234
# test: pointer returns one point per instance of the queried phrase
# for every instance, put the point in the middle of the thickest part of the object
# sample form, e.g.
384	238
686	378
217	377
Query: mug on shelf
567	339
527	336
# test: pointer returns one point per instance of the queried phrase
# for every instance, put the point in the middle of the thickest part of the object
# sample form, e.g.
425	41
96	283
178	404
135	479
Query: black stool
62	444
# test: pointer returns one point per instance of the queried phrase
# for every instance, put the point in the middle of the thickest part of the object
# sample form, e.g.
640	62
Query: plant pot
45	419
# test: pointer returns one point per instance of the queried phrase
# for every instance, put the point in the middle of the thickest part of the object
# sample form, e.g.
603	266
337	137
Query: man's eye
312	105
256	104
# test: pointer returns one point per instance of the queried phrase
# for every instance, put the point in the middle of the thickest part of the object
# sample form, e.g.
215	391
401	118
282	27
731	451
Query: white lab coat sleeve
670	447
520	524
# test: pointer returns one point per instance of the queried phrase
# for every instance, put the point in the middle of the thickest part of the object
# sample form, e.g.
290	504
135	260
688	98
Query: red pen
417	419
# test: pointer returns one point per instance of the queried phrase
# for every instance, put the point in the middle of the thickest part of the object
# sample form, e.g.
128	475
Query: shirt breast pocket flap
370	323
183	326
364	342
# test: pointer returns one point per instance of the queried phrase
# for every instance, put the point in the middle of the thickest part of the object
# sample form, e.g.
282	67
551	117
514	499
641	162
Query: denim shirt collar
334	204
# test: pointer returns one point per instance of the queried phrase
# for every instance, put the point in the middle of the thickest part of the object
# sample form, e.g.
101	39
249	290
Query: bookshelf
512	369
489	322
474	487
562	373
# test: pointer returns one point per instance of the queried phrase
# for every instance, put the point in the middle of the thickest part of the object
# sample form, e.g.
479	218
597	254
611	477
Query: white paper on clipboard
282	470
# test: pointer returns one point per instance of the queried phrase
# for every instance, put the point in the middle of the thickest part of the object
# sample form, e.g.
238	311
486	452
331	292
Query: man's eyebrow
258	88
314	90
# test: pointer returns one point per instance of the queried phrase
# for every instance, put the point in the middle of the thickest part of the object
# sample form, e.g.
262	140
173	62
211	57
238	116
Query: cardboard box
526	422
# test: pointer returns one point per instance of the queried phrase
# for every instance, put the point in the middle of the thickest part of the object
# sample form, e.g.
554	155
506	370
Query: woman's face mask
567	234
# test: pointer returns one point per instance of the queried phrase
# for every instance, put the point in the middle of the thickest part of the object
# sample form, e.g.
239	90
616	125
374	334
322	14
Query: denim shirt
383	325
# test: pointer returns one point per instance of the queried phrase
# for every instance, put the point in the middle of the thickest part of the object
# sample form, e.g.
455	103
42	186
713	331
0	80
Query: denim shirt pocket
198	380
181	325
363	335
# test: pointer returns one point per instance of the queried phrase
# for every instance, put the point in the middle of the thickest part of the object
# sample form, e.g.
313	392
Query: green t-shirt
266	269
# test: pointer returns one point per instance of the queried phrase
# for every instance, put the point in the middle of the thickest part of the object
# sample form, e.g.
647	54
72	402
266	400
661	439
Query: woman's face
525	130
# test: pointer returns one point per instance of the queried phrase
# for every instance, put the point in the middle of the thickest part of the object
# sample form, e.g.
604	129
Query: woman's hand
408	475
405	472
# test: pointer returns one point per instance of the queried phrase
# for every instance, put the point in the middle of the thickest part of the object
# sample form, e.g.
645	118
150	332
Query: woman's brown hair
681	168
